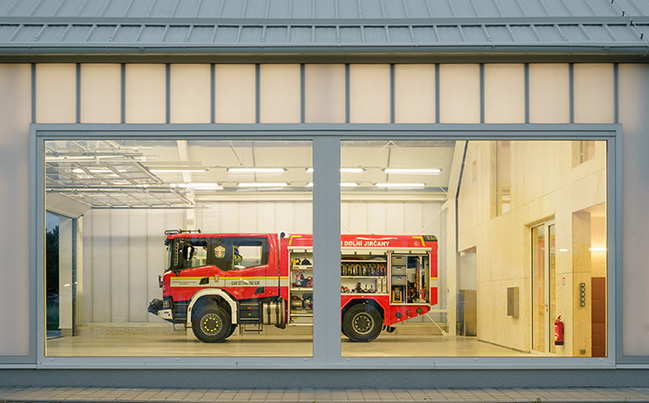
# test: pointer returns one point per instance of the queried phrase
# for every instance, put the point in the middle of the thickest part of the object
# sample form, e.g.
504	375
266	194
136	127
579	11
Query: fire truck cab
215	283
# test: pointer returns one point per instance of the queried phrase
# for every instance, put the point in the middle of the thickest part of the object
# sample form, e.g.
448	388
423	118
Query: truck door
247	276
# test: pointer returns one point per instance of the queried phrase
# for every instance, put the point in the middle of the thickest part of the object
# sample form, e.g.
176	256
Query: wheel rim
363	323
211	324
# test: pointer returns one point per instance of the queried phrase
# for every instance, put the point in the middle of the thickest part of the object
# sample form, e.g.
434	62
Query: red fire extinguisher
558	332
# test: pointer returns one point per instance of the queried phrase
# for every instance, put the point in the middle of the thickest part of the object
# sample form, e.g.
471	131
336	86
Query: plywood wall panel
279	93
324	93
369	93
101	93
56	93
146	93
15	115
459	92
234	93
414	93
190	93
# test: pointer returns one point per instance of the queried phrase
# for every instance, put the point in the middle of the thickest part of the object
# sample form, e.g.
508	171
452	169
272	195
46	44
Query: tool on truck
216	283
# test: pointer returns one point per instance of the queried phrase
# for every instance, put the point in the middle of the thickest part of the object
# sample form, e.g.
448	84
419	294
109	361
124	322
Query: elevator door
543	287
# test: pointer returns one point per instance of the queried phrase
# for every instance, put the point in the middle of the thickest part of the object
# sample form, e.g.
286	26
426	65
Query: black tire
212	324
232	329
362	323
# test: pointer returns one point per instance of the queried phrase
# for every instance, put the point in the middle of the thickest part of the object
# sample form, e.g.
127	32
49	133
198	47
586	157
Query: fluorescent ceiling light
261	185
400	185
96	170
177	170
344	184
256	170
415	171
597	249
201	186
346	170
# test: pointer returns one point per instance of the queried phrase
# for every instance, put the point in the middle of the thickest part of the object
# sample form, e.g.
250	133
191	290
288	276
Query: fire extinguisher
558	332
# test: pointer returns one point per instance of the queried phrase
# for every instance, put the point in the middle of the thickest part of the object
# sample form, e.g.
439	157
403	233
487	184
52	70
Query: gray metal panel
117	8
375	35
325	9
395	9
598	32
556	8
51	33
255	9
450	34
187	9
300	9
486	8
101	33
399	35
574	33
162	8
499	33
624	33
77	33
348	9
524	34
46	8
474	34
463	9
232	9
27	33
549	33
174	34
140	8
69	7
209	8
127	33
278	8
304	34
424	34
154	34
251	34
93	8
324	34
350	35
371	8
226	34
417	8
7	31
527	8
201	34
278	35
441	9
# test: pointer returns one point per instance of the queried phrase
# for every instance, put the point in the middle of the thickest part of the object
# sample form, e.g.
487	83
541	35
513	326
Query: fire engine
218	282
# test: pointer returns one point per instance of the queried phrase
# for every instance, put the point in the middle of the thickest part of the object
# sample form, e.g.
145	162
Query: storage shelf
302	267
364	293
302	315
374	277
301	289
362	261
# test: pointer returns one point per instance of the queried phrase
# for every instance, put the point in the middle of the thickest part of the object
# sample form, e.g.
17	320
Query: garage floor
387	345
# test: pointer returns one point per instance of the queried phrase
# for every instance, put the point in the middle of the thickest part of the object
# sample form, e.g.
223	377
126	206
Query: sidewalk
529	395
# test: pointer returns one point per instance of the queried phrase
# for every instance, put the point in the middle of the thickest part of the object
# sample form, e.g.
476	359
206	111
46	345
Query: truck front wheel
362	322
212	324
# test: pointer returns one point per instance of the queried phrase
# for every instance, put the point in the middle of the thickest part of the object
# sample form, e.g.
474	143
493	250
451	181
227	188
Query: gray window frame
326	140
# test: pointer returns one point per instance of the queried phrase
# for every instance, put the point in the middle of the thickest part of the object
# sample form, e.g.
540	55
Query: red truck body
217	282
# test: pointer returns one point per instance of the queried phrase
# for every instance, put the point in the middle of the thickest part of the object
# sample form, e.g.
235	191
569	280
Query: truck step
250	328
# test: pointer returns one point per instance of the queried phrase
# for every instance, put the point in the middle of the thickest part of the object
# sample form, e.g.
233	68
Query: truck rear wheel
362	323
212	324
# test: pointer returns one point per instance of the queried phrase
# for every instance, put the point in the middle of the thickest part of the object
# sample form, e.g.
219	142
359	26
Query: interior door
543	287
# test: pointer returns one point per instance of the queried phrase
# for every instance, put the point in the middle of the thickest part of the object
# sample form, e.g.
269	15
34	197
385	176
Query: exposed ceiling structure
192	173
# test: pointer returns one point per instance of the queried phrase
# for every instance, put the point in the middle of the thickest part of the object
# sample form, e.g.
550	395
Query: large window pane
530	248
179	248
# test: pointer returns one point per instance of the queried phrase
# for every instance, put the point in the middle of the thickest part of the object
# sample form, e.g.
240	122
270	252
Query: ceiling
194	173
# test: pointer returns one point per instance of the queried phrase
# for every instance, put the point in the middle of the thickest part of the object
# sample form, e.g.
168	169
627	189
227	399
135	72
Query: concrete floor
250	345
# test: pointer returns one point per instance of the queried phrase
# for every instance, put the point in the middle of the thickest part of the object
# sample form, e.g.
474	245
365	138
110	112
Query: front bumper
165	314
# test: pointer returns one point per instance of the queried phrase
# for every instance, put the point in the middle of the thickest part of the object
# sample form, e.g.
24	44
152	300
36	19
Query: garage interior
521	229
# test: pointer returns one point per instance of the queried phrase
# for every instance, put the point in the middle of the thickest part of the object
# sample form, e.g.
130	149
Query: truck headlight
166	303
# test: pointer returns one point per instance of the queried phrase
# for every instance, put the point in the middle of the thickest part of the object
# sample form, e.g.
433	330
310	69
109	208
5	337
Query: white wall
124	249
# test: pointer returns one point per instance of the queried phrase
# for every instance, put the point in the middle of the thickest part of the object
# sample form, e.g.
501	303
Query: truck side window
249	252
193	253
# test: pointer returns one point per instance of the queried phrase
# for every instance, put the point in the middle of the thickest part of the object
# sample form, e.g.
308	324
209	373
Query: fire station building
325	193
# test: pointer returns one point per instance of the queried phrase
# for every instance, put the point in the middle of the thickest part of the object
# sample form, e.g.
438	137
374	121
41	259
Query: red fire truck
218	282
